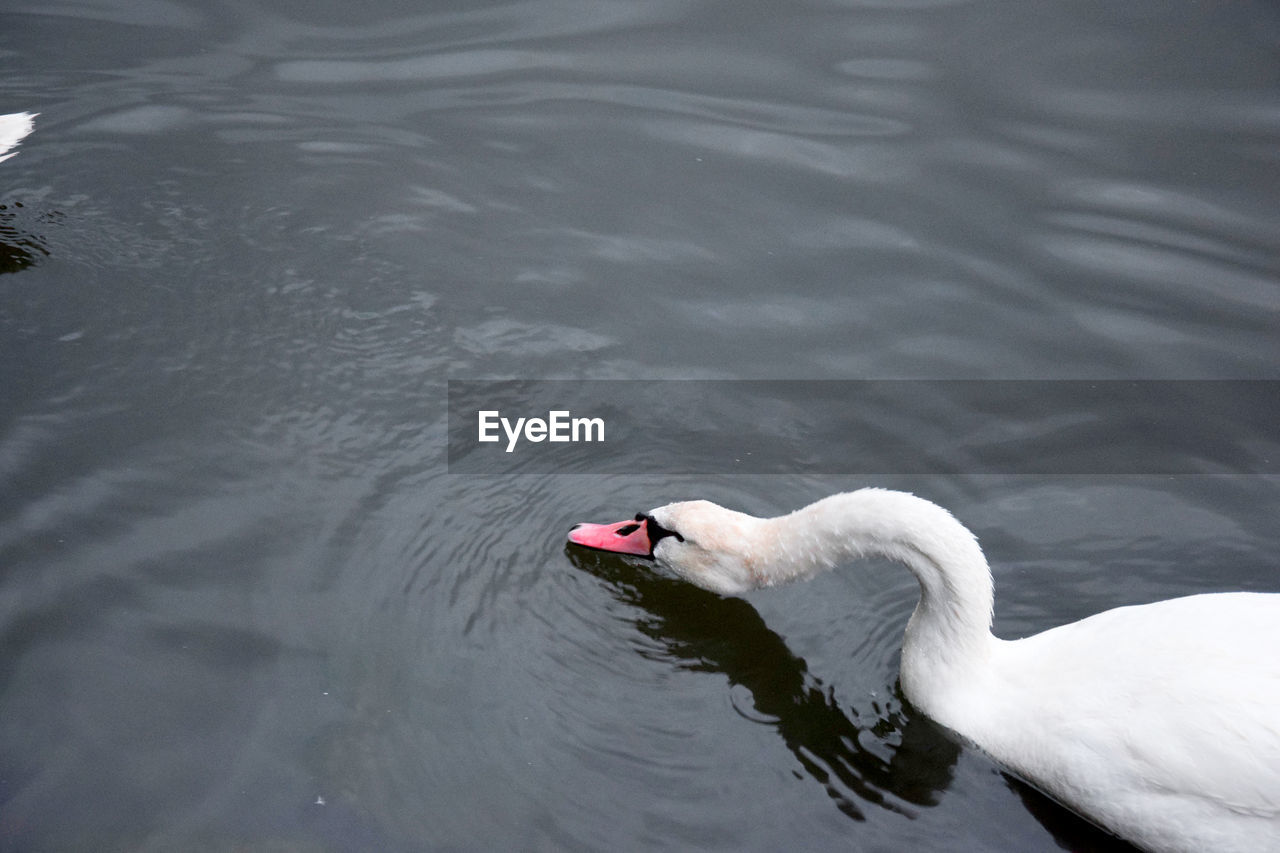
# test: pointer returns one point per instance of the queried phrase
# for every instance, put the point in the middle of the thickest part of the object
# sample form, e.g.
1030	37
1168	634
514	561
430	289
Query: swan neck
956	597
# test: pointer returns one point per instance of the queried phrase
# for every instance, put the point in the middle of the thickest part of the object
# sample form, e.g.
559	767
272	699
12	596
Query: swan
1160	722
13	127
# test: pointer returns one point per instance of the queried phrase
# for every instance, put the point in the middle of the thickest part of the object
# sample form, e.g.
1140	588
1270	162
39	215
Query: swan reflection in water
910	761
18	249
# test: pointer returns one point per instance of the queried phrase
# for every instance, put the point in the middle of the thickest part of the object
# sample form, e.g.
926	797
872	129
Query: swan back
1160	720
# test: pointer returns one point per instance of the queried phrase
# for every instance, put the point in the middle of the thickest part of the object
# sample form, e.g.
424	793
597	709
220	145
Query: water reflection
19	248
889	756
1071	831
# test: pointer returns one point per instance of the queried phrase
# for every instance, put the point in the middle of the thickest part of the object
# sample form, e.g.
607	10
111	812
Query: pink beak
623	537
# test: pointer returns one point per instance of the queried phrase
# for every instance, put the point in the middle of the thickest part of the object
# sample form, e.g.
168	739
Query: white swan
13	127
1160	722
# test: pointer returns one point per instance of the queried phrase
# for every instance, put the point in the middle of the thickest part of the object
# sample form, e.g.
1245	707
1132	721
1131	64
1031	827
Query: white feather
13	128
1160	722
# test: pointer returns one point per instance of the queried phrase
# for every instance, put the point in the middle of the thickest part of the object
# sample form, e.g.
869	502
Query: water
244	602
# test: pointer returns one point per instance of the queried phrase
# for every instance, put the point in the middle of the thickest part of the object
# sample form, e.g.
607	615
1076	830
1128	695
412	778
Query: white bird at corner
1160	722
13	128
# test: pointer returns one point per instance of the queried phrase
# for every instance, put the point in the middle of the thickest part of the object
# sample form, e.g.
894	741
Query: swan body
13	128
1161	722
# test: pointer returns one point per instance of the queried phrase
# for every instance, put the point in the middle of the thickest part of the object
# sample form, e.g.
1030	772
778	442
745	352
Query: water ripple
469	63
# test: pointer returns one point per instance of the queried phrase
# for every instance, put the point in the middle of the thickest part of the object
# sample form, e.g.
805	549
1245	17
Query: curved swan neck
953	618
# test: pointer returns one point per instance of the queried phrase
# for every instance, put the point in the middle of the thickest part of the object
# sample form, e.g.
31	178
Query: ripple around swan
21	243
692	631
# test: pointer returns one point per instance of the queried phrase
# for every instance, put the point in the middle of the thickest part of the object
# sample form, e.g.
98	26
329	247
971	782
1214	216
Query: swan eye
656	531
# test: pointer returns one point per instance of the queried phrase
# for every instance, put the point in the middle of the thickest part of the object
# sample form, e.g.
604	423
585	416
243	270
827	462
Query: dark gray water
245	603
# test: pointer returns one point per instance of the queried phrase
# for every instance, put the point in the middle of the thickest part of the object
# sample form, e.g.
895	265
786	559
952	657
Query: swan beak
623	537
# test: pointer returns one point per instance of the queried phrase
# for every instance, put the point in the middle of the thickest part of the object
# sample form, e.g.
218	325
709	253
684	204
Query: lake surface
246	602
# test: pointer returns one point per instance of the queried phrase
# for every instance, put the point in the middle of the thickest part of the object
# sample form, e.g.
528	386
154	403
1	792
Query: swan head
712	547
